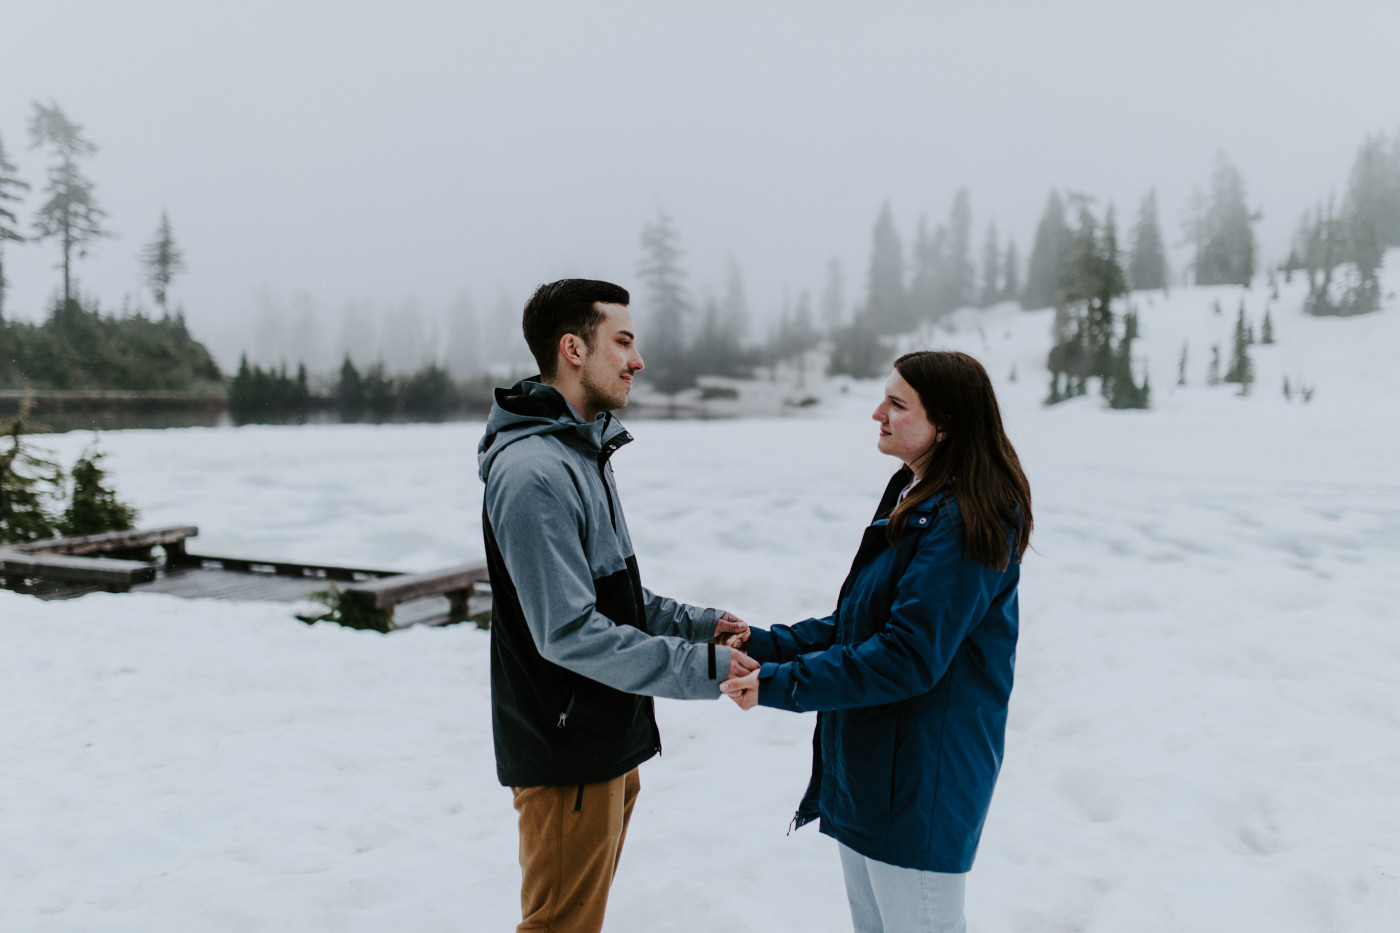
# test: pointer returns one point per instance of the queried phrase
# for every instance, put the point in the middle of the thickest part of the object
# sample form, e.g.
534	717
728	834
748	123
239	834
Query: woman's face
905	431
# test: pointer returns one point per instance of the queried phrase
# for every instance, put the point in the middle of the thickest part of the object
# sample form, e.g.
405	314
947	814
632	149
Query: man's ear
572	349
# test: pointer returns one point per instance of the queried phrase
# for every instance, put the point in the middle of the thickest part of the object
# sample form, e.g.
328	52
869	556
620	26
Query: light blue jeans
888	899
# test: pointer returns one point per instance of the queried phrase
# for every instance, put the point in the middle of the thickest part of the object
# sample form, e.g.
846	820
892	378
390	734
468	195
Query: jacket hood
530	408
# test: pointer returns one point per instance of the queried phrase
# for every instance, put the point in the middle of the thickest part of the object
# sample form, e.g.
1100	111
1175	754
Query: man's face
612	359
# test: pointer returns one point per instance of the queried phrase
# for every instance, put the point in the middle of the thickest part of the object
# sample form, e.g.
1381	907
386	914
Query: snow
1205	730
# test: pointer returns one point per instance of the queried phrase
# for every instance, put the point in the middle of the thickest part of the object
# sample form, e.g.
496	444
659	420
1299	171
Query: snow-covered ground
1205	731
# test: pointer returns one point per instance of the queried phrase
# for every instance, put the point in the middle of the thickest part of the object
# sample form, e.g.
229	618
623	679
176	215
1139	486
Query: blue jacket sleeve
938	601
788	642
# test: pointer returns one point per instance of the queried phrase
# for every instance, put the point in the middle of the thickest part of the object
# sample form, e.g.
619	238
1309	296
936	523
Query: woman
913	671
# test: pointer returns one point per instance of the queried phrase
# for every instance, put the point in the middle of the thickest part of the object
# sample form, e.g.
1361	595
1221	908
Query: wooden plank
319	571
85	569
390	591
109	541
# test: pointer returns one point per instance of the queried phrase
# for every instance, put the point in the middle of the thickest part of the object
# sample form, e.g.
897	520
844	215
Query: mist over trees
1221	229
1342	250
1088	341
163	260
71	213
10	185
367	351
1052	241
1147	264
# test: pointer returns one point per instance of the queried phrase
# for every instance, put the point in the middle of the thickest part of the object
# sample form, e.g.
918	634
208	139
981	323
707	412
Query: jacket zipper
568	708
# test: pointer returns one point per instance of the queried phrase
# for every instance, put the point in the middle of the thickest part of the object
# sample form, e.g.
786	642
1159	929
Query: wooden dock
65	568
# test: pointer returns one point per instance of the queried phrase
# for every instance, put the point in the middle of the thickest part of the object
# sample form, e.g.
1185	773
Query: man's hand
740	664
731	631
742	690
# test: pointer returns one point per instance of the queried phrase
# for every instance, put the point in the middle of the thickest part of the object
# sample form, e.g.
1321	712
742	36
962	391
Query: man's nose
637	364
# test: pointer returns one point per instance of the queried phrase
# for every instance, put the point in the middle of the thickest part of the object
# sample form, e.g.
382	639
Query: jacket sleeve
666	616
788	642
938	601
539	522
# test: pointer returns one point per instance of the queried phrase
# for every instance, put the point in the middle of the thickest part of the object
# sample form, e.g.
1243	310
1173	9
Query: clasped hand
742	685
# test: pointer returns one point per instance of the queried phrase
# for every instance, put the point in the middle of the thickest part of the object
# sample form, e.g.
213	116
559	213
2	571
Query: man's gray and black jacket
578	647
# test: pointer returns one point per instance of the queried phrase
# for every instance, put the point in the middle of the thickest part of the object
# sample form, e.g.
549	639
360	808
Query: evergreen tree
887	302
9	184
668	307
925	280
1181	367
1052	242
162	260
1267	331
1011	274
1241	369
1147	265
94	507
1090	280
1120	388
349	391
961	277
1227	248
29	483
991	269
1334	286
71	213
1213	373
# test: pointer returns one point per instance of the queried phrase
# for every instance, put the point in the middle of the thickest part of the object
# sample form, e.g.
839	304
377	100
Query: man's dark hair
568	306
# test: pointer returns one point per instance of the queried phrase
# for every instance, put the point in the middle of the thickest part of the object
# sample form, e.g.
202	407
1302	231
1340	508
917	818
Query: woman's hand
742	690
731	631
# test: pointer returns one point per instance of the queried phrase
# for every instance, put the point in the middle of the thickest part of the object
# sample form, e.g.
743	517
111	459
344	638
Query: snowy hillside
1205	731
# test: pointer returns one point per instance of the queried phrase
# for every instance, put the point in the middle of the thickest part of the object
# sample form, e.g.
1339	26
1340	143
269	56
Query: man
578	647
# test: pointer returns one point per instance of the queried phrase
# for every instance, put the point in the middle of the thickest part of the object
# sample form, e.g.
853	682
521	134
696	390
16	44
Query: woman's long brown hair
975	461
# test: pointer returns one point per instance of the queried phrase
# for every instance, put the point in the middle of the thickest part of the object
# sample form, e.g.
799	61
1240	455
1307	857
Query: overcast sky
372	152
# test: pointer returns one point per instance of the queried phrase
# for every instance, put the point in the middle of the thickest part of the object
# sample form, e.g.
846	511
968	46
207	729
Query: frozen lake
1205	731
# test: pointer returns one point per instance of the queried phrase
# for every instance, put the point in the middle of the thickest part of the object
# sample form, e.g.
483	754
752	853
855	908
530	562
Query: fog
393	180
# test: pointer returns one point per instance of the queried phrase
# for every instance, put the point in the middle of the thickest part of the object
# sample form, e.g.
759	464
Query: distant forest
1078	263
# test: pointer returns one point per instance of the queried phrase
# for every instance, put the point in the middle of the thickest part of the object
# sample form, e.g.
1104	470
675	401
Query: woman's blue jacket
911	676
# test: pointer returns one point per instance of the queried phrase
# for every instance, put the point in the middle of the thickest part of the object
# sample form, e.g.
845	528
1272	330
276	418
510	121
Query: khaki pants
570	842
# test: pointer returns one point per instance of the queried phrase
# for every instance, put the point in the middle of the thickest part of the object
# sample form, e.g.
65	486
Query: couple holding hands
910	676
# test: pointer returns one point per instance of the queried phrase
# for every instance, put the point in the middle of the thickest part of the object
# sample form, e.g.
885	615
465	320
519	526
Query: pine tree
1011	276
30	482
927	264
961	276
1121	390
71	213
162	260
1052	242
1267	331
991	269
1213	373
1181	367
1241	369
349	390
94	507
9	184
1227	250
667	305
1147	267
887	302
